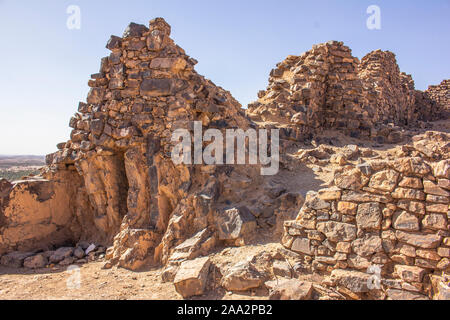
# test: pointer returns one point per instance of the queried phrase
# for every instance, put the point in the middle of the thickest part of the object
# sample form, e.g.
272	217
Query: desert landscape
13	168
358	209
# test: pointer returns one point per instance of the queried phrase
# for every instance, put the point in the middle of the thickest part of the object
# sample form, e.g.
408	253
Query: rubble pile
82	253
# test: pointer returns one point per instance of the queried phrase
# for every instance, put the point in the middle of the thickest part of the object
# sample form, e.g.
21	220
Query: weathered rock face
235	224
241	277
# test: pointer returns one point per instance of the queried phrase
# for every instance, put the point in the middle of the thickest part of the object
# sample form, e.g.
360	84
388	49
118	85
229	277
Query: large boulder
133	248
192	277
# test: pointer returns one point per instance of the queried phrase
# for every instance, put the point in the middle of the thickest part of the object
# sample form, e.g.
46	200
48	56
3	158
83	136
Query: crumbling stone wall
392	214
319	89
121	143
426	109
441	95
391	94
114	182
328	88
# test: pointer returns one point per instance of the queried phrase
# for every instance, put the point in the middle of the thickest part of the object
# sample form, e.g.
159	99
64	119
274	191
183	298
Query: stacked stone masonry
114	183
319	89
118	184
441	95
389	92
394	215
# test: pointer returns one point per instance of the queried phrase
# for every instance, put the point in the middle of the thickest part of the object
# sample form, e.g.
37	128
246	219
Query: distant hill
21	160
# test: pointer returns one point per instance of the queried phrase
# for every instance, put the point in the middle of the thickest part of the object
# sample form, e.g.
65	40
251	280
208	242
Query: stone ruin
114	183
389	214
328	88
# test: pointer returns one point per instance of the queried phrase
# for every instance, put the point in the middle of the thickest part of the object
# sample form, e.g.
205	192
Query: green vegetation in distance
13	176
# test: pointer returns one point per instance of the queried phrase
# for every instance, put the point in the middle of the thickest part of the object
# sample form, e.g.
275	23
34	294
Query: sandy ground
96	283
60	283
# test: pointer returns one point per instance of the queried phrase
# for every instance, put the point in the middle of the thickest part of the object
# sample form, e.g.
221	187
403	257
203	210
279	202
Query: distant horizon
49	60
22	155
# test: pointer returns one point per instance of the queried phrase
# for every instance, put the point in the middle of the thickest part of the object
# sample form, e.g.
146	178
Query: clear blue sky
45	66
